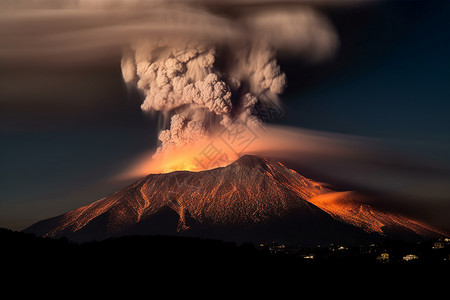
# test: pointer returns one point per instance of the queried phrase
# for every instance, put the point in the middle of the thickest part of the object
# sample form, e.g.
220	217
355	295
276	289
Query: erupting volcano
253	199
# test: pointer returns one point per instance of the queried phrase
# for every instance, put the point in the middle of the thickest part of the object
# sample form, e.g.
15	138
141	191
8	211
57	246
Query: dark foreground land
26	252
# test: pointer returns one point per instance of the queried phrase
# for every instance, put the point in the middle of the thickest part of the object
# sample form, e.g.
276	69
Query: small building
274	248
383	258
410	257
309	257
438	245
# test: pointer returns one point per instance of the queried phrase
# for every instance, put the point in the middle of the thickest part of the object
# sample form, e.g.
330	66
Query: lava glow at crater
199	156
218	150
224	147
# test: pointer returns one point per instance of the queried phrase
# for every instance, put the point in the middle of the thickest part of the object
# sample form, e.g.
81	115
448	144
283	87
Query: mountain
253	199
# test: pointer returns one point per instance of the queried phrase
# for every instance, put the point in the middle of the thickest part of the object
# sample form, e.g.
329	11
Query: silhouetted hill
165	262
154	251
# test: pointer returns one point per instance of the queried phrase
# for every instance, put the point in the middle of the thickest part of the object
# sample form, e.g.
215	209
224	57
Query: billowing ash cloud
201	83
185	80
203	64
171	77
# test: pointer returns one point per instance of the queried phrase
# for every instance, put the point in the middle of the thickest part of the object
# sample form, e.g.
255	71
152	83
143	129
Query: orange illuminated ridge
251	190
345	207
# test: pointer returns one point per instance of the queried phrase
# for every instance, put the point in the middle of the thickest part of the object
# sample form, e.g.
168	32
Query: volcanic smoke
204	86
205	67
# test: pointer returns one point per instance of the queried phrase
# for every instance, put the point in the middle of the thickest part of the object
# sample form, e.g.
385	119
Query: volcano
253	199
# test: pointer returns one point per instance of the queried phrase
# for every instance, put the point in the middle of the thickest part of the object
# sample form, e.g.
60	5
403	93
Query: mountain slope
253	199
344	206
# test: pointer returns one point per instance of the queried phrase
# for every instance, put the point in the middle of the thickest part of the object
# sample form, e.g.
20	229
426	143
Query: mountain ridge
253	199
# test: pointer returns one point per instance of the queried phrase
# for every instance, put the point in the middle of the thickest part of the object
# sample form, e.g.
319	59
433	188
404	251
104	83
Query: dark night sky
65	130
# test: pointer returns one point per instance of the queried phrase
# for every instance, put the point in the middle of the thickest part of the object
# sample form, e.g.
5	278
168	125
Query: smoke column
201	84
203	65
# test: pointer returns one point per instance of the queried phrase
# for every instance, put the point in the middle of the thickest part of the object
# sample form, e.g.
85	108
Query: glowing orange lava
199	156
222	148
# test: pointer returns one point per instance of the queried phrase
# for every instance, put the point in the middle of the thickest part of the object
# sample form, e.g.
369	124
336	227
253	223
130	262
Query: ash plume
202	63
200	84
